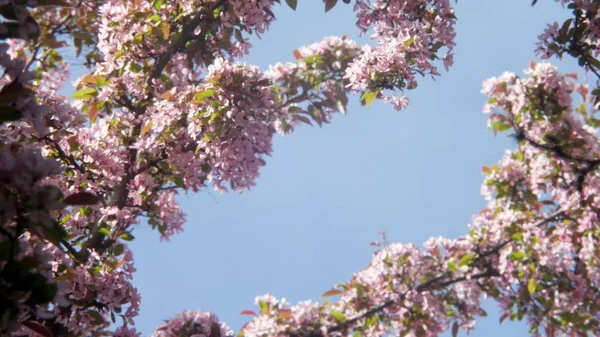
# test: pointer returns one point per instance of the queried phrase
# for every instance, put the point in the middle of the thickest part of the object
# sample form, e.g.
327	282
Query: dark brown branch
589	164
63	155
557	150
74	253
164	59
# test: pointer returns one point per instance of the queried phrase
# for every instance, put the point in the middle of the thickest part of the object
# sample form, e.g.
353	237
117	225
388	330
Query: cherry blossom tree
165	108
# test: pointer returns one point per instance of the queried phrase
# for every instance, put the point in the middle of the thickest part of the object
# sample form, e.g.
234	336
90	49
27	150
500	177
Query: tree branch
63	155
589	164
433	284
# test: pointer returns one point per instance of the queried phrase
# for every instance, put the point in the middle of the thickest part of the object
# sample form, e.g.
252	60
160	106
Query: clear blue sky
327	192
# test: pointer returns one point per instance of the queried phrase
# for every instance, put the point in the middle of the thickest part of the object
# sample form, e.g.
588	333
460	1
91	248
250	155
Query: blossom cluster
194	324
409	36
166	107
577	36
532	249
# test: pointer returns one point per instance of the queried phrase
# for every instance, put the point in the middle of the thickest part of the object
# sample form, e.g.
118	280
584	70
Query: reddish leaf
329	4
332	292
248	312
532	64
285	314
82	198
89	79
93	112
297	54
454	329
38	328
165	29
72	141
215	330
571	75
292	3
243	327
167	95
146	128
583	91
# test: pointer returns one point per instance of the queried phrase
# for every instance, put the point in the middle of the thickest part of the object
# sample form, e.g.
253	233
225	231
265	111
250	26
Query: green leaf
531	285
410	41
371	321
518	256
292	3
593	61
119	249
204	94
85	93
369	96
97	319
100	82
518	156
134	67
264	307
452	266
114	24
126	236
178	181
138	38
9	114
157	4
56	233
118	54
466	260
530	198
554	47
338	316
329	4
500	126
238	35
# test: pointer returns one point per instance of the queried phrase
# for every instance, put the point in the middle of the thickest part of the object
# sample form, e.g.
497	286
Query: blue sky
327	192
